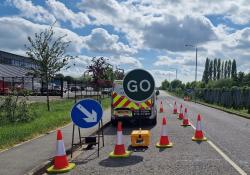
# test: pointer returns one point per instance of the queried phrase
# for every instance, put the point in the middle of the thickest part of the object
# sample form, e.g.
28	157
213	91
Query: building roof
12	71
18	56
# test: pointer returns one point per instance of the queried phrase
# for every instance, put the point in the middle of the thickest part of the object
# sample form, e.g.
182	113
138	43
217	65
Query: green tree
210	70
240	78
225	70
218	69
215	69
234	70
205	77
165	85
50	56
176	84
246	80
222	70
69	79
229	69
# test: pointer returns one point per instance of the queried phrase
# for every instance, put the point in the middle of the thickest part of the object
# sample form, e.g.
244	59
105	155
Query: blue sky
135	33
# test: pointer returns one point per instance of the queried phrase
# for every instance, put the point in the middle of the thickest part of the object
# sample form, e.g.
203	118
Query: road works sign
138	85
86	113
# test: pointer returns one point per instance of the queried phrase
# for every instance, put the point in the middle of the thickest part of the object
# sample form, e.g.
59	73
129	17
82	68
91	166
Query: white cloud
16	38
61	12
101	41
172	34
30	11
126	61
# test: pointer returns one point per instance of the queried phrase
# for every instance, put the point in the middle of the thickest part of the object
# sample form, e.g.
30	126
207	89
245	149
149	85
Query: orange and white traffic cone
164	139
185	121
119	150
199	136
181	113
61	164
161	107
175	108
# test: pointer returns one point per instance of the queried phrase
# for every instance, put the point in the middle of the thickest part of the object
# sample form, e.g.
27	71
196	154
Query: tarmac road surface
226	152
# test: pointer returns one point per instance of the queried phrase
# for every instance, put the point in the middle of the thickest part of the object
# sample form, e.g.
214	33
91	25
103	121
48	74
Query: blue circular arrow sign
86	113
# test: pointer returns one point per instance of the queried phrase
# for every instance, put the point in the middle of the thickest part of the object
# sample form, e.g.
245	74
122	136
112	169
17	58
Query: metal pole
195	74
176	74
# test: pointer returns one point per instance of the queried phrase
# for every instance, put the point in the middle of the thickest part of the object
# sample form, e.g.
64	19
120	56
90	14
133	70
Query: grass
14	133
242	112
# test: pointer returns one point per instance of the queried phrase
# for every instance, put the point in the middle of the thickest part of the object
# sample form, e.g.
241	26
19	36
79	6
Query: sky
135	33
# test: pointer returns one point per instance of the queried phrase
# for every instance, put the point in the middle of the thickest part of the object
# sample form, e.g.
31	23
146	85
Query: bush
13	111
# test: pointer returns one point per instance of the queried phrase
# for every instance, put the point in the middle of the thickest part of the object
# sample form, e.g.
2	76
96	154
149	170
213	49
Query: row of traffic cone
198	136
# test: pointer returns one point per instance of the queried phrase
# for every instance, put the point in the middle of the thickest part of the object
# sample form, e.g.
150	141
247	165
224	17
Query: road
226	152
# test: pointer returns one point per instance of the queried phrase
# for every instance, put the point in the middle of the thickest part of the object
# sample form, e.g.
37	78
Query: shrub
14	111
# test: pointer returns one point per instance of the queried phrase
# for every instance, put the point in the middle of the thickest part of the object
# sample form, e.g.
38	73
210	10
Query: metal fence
56	87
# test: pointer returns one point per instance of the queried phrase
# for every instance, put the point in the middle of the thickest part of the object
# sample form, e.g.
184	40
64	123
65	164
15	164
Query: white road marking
232	163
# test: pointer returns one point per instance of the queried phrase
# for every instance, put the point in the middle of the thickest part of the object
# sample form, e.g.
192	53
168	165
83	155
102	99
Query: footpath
24	157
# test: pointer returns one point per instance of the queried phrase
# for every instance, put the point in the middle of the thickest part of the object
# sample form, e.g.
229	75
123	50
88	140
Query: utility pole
196	50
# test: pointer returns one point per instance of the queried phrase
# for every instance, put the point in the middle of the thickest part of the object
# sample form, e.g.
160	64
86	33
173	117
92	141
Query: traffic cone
164	140
181	113
61	164
175	108
161	107
185	121
198	136
119	150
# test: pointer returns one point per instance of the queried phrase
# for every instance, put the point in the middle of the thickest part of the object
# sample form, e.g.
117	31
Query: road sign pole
85	114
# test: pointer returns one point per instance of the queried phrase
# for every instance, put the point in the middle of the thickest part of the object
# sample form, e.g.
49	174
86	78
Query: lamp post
175	72
196	50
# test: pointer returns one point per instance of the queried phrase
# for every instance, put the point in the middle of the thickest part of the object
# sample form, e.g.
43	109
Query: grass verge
241	113
14	133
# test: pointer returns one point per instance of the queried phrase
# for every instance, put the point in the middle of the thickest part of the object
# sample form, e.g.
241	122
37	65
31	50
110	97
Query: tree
102	73
215	69
210	70
49	54
240	78
119	74
176	84
225	69
229	68
246	80
222	70
218	69
205	77
234	70
165	85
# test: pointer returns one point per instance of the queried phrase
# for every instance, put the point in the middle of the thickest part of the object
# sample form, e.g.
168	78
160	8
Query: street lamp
196	50
175	72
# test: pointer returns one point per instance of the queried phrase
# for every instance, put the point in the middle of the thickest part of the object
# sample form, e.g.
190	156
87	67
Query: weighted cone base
127	154
199	139
164	146
52	170
185	125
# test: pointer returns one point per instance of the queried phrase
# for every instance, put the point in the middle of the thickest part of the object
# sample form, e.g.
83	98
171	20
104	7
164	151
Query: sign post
86	114
139	86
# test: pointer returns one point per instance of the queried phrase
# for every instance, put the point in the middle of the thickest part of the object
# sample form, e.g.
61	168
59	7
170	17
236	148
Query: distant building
12	65
13	71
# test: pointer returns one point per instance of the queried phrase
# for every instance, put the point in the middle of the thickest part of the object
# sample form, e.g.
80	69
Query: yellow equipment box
140	138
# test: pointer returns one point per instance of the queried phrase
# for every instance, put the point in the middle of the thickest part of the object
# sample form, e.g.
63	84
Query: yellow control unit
140	138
